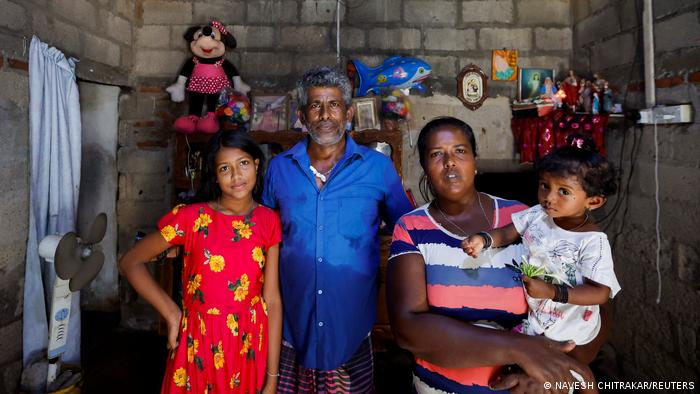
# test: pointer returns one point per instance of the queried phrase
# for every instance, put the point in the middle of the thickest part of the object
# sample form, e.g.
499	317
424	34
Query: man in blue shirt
332	195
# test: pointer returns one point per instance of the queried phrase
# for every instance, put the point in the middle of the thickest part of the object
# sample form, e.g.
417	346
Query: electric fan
76	265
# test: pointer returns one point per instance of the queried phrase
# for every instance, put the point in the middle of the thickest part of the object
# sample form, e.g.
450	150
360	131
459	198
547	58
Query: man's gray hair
324	77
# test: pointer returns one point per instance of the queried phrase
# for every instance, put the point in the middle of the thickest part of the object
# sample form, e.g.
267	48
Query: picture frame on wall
504	65
472	88
270	112
366	115
531	82
294	121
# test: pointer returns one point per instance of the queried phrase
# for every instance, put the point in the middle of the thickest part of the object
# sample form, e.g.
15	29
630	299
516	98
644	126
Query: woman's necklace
464	233
322	176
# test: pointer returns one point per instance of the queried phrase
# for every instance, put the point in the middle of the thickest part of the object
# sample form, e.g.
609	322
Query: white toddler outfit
570	256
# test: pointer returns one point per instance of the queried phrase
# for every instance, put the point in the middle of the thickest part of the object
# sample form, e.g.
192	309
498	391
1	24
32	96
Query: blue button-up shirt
329	256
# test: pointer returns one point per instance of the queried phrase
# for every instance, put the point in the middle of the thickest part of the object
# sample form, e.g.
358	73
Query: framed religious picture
294	121
504	64
366	116
269	113
472	87
531	82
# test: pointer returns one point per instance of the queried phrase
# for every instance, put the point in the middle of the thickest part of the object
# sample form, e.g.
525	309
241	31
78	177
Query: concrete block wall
99	33
651	341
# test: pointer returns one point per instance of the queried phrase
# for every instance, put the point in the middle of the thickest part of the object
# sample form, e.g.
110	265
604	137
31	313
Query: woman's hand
173	321
537	288
473	245
546	361
517	383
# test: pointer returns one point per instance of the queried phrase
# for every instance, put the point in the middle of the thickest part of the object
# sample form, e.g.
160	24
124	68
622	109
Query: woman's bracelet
561	294
276	375
488	240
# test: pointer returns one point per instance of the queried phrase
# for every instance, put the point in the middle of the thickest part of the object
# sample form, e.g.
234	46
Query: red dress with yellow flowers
223	337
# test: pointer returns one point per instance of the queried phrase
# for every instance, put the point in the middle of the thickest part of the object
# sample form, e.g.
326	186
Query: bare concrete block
487	11
127	57
580	9
395	39
67	36
138	215
375	11
11	341
144	187
266	63
13	16
226	11
688	264
254	36
629	12
613	52
599	4
152	36
492	38
12	277
272	12
543	12
483	62
307	38
443	66
302	63
450	39
688	342
682	31
553	39
140	161
158	63
430	13
126	8
664	8
560	64
10	376
117	27
79	11
177	39
598	26
166	12
350	37
101	50
16	90
321	11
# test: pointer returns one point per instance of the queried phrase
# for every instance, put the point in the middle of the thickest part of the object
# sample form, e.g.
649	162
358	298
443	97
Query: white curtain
54	180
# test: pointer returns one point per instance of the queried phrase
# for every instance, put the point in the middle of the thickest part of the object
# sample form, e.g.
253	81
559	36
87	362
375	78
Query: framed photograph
366	116
471	86
294	121
270	113
531	82
504	65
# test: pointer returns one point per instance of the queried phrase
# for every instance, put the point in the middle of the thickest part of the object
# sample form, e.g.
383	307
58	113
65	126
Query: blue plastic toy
396	72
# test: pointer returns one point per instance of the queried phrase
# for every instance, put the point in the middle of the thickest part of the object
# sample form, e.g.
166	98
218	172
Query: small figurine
586	95
548	91
607	98
595	107
571	88
598	82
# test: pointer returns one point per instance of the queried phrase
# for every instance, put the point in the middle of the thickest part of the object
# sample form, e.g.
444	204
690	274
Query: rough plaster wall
99	33
651	341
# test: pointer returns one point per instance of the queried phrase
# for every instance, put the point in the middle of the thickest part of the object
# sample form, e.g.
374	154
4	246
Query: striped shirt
483	291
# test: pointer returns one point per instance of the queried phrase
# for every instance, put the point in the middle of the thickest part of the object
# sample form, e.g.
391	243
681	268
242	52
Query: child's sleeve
523	219
401	242
173	225
274	234
596	263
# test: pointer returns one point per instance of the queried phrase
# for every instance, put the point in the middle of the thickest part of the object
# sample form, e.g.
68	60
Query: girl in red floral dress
227	337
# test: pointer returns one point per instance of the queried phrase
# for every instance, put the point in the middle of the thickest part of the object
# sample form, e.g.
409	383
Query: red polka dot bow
219	27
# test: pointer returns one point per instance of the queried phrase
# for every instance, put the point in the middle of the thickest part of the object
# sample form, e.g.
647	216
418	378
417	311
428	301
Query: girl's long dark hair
426	189
209	190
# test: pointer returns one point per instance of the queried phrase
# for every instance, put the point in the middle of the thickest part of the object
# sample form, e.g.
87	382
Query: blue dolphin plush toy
396	72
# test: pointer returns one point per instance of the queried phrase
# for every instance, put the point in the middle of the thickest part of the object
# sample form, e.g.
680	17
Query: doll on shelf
570	86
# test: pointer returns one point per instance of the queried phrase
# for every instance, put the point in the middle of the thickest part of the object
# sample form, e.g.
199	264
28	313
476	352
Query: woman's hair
426	189
580	158
209	189
324	77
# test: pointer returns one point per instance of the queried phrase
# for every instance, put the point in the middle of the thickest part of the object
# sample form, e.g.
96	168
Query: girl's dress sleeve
173	225
274	233
596	263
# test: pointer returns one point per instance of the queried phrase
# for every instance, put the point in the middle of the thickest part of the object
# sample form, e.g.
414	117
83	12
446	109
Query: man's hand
537	288
473	245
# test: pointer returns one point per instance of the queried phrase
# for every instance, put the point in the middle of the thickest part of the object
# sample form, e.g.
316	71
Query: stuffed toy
204	76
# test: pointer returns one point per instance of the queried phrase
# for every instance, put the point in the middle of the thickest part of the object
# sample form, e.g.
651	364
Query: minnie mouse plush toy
204	76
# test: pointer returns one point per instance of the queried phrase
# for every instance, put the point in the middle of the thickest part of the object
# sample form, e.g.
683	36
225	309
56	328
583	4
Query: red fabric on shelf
537	136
